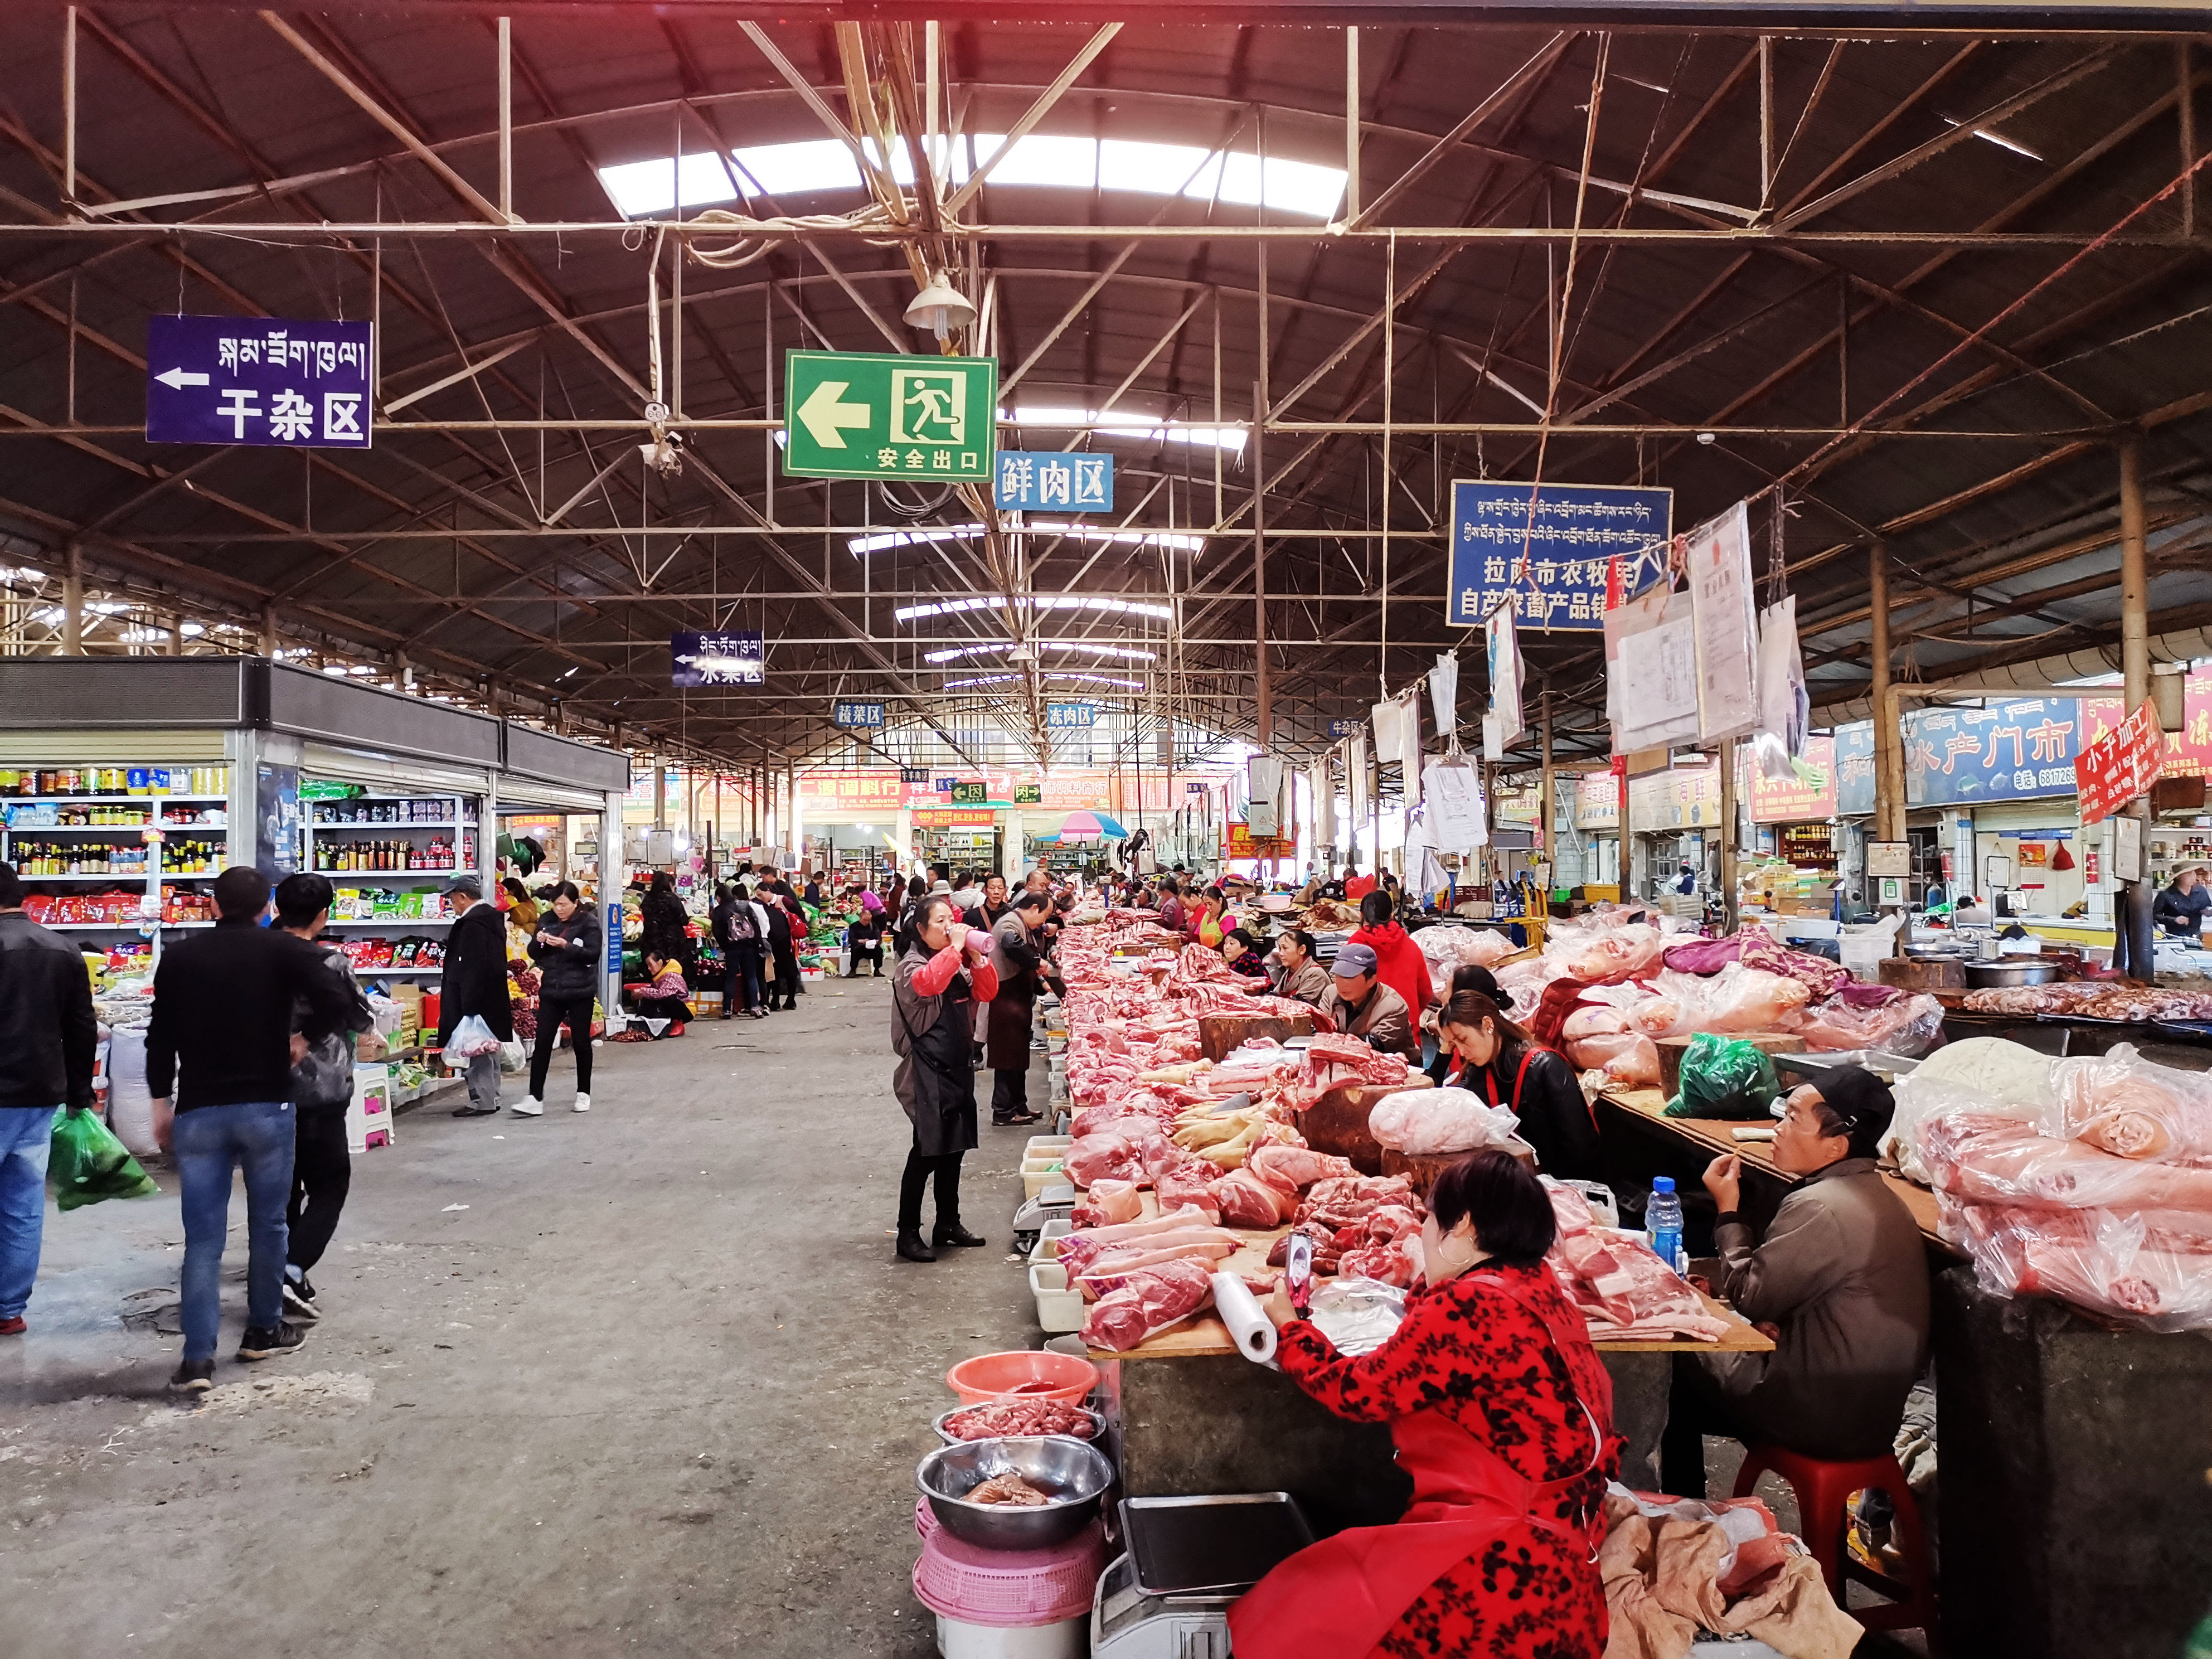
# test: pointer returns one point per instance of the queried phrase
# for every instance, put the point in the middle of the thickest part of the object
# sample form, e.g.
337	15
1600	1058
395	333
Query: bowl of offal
1015	1493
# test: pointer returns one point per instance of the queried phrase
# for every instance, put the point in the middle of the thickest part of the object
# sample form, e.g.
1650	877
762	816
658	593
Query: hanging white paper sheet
1355	770
1409	745
1651	686
1454	816
1504	645
1444	693
1721	606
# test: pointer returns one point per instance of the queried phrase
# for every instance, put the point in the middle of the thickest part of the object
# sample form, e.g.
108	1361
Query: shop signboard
878	790
282	382
1242	844
1070	716
1515	806
1194	789
1548	550
880	414
2120	766
2188	752
913	774
1680	797
1597	801
1808	796
856	715
1053	481
277	820
970	792
944	786
2010	751
1854	753
953	817
717	659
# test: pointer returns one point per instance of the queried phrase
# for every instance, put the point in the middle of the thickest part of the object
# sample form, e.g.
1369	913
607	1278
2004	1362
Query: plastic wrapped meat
1598	1036
1920	1096
1431	1120
1909	1025
1447	947
1622	953
1148	1302
2121	1103
1741	999
1995	1159
1636	1066
2122	1267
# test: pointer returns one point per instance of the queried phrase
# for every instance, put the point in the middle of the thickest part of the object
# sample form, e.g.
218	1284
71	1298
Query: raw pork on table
1148	1302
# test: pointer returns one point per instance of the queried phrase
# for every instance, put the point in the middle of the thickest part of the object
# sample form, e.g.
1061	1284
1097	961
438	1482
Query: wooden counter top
1712	1134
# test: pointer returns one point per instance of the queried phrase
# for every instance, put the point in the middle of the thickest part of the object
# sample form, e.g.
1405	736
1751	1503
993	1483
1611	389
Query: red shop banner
2120	765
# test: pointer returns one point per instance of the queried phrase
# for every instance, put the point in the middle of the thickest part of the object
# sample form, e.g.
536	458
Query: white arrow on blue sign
279	382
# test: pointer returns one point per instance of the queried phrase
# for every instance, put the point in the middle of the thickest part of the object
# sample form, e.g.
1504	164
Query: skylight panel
637	188
1157	169
1042	159
813	164
1286	186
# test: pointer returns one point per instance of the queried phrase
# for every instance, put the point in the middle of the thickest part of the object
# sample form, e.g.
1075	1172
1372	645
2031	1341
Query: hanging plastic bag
1724	1078
511	1056
86	1164
470	1038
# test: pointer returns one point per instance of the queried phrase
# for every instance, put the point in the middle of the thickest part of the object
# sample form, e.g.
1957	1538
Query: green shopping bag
87	1164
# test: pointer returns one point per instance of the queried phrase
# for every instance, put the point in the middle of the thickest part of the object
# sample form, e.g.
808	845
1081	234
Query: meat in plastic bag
1741	999
2122	1103
1430	1121
1993	1158
1909	1026
1919	1097
2120	1267
1621	953
1636	1066
1448	946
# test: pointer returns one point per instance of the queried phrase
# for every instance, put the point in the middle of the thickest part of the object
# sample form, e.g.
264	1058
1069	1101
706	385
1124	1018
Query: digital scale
1186	1560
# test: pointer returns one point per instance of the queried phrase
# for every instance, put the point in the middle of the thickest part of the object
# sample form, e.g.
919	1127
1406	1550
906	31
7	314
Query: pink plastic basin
1024	1374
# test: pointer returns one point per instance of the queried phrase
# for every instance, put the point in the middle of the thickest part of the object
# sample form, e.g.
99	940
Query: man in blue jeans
47	1041
222	1014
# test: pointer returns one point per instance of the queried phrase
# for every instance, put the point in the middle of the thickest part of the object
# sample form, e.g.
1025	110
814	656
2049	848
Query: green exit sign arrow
868	415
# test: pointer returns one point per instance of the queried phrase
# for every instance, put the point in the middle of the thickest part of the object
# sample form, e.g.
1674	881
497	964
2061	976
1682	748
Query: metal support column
1730	811
73	603
1888	744
1262	679
2133	918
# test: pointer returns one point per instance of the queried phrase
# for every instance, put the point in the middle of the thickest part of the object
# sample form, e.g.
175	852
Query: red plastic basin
1024	1374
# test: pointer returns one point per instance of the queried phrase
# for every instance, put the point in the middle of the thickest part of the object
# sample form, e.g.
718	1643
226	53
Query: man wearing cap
474	983
1840	1283
1361	1006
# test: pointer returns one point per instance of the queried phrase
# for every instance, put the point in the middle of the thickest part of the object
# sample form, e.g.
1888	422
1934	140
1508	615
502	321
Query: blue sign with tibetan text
1549	547
1053	481
1964	757
282	382
717	659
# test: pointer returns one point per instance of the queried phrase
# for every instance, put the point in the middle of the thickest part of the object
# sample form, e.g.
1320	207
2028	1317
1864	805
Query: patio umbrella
1086	826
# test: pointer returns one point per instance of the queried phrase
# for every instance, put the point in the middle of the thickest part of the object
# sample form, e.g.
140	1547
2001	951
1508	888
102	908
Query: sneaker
13	1326
259	1344
583	1102
300	1300
528	1106
193	1376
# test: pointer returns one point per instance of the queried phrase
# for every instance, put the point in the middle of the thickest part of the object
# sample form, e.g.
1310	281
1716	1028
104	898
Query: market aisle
657	1388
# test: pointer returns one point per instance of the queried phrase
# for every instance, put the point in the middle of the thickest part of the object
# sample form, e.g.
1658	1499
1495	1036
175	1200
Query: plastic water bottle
1662	1220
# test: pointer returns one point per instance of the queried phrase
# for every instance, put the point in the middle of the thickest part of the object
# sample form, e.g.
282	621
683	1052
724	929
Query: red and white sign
2119	766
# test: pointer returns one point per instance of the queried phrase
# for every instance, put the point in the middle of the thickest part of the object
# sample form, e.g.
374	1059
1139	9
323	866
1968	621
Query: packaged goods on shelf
116	780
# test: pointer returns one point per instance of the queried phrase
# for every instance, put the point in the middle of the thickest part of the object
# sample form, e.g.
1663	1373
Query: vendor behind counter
2179	908
1840	1282
1360	1004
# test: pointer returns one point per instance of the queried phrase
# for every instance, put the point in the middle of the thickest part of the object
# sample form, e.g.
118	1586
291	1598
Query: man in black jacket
221	1034
47	1041
474	983
322	1090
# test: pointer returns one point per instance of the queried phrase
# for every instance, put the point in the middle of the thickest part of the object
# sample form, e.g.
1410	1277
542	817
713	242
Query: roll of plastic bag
1251	1329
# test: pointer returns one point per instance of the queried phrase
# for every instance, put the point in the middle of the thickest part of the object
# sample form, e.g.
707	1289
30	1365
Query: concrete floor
646	1380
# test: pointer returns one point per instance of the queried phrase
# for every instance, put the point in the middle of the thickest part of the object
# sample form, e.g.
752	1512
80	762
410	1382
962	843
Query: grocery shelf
101	800
115	927
401	875
402	922
377	973
387	825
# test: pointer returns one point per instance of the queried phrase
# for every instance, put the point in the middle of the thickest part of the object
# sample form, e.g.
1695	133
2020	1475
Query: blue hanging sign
1344	728
282	382
1550	547
1063	716
1855	770
2013	751
1068	482
856	714
717	659
913	774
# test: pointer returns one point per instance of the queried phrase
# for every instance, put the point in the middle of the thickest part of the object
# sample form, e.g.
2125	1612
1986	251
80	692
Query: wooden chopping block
1422	1168
1337	1122
1219	1035
1910	974
1671	1050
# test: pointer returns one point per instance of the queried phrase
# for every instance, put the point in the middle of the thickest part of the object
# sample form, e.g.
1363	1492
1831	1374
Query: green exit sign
1029	795
870	415
971	795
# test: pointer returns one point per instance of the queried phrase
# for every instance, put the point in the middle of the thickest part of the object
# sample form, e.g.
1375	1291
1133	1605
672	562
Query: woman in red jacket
1399	963
1501	1415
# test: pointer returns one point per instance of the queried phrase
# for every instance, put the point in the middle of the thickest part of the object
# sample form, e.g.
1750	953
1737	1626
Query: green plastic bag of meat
87	1164
1724	1076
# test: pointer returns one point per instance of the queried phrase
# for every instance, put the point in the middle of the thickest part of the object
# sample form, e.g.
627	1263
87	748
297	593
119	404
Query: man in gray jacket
1840	1283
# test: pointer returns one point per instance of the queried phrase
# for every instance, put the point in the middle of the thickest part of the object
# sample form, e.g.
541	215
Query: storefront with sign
1794	819
1675	817
1597	820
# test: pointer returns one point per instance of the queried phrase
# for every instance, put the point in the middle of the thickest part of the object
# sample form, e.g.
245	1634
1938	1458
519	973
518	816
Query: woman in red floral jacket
1502	1414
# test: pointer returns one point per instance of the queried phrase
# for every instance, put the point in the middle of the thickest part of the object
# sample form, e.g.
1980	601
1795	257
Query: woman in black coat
567	948
666	923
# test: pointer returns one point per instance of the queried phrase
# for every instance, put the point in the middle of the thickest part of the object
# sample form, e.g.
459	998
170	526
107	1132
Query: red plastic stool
1824	1491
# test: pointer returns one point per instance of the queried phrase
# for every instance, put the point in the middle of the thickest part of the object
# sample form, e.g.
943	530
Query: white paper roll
1252	1330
